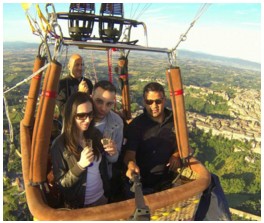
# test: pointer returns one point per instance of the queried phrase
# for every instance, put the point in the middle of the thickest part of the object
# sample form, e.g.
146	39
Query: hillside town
245	123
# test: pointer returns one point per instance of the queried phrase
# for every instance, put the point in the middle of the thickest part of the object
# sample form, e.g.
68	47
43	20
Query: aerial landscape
215	48
222	101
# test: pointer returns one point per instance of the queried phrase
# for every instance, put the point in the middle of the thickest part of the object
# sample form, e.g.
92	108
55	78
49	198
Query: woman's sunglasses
83	116
157	101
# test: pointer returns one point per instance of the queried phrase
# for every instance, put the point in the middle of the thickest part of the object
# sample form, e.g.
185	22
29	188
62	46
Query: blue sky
231	30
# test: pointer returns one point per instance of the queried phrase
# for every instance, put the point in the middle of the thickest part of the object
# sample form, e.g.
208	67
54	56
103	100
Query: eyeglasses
83	116
157	101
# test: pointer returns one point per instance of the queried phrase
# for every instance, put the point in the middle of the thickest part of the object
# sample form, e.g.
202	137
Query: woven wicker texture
183	210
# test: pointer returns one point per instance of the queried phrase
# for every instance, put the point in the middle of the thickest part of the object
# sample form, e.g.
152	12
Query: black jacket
68	86
154	143
70	178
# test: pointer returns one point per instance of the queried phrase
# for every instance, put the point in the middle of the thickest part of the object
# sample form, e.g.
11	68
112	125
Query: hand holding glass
108	144
107	137
89	146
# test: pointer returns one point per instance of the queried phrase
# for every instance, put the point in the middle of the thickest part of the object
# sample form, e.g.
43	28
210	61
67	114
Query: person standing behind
74	82
107	121
151	148
111	126
81	173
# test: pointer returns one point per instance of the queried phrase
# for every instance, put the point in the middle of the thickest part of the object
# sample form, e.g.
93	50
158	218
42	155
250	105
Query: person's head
78	122
154	100
104	93
78	114
75	66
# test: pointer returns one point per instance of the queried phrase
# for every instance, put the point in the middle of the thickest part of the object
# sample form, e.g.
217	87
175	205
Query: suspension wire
135	11
144	26
183	37
144	9
37	29
57	49
110	65
28	78
131	9
46	29
93	64
18	153
10	126
49	30
202	10
32	22
54	27
172	58
64	50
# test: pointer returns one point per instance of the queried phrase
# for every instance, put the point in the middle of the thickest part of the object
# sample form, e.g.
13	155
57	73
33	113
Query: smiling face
83	116
76	66
154	102
104	101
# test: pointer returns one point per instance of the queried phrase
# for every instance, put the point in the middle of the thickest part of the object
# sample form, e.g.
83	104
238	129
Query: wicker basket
183	210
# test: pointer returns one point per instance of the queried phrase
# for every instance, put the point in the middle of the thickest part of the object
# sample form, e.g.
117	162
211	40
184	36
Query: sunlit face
103	101
154	103
76	66
84	116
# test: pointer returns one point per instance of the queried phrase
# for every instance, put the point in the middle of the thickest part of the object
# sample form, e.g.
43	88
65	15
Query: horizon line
198	52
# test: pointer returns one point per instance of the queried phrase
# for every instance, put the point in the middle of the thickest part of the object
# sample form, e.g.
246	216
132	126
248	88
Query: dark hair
106	85
153	86
70	130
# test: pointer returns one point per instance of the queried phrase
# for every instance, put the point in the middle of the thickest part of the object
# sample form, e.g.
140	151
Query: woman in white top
80	173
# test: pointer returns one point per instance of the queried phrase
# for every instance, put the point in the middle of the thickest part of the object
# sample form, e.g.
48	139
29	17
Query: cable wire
27	79
183	37
11	131
144	9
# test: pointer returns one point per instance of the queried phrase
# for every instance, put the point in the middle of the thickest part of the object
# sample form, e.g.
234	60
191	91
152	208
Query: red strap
123	76
109	57
176	93
37	76
49	94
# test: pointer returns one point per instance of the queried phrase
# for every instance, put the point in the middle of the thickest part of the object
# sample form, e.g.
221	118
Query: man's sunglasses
157	101
83	116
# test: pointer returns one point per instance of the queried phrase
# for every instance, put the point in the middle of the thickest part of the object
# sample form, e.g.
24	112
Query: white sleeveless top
94	184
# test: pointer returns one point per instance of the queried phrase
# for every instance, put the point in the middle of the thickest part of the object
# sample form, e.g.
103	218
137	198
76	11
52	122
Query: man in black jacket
74	82
151	148
152	151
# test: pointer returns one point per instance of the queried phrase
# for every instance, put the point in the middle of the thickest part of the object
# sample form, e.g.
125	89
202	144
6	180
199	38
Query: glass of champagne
89	146
107	137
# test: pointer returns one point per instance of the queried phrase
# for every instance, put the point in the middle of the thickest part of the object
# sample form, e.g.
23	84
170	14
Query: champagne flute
107	137
89	146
